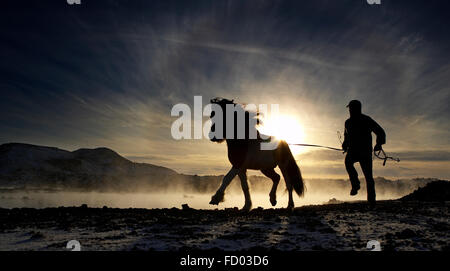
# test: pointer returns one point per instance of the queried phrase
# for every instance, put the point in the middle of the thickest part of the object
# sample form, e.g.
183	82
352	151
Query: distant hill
31	166
25	166
434	191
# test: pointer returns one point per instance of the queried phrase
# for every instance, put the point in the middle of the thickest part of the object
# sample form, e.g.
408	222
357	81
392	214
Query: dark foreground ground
397	225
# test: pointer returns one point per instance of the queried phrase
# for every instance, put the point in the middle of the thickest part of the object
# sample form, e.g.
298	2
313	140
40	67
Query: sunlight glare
285	127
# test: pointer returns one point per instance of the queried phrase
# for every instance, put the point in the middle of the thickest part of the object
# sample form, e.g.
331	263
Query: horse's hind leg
291	200
218	197
289	187
244	184
275	179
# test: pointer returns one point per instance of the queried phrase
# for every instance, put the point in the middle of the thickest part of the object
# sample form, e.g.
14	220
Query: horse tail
291	169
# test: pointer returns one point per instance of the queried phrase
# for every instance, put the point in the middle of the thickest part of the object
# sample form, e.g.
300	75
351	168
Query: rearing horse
246	154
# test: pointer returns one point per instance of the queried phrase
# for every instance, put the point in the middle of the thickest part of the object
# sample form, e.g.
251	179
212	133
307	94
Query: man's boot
371	196
355	187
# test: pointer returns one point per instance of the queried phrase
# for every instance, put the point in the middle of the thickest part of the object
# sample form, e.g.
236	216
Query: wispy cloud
106	75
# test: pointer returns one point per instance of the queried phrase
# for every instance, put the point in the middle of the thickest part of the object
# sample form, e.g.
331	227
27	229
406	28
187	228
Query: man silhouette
358	145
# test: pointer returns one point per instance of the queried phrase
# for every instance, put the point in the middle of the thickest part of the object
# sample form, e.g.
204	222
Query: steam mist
319	191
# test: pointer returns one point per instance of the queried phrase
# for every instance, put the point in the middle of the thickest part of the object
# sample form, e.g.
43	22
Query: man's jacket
358	137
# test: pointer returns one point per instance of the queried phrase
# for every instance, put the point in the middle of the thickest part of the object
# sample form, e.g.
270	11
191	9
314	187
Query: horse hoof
273	199
273	202
216	199
246	209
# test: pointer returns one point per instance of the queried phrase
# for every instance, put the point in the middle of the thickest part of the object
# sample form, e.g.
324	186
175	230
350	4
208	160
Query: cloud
108	74
416	156
426	156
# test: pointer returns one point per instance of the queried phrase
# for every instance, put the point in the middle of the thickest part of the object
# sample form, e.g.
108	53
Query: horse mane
221	100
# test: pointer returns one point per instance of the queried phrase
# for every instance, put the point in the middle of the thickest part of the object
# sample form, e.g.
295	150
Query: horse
245	153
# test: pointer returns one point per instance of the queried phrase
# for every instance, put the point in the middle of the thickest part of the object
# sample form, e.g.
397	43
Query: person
358	146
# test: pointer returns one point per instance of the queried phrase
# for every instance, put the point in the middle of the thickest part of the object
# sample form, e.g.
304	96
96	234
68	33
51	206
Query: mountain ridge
28	166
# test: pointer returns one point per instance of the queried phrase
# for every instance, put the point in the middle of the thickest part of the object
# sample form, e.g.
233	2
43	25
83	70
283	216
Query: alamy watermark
373	245
214	127
73	245
371	2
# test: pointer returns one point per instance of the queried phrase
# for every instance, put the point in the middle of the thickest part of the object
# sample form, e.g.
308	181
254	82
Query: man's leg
352	173
366	166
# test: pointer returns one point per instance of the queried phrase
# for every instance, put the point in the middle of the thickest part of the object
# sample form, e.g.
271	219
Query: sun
285	127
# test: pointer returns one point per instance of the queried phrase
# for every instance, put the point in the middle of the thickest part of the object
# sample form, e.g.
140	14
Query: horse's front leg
218	197
246	189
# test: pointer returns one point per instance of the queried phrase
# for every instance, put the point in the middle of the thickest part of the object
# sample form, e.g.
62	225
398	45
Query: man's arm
379	132
345	143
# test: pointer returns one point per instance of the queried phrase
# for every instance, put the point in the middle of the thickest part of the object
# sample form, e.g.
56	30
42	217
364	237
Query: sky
107	73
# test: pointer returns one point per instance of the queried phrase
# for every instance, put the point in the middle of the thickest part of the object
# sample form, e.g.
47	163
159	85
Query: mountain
25	166
433	191
31	166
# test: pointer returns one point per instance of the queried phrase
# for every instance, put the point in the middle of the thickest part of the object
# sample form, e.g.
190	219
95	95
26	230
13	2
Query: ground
397	225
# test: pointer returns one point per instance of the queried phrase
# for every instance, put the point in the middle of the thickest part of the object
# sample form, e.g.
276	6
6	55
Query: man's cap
354	103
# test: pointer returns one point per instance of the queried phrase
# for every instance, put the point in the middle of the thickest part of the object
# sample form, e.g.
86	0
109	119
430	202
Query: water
154	200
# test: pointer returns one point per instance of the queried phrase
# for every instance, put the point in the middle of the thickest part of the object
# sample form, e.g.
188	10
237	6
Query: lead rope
376	153
385	158
318	146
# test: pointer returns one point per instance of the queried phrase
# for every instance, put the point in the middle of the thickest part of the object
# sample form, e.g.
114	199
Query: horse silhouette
244	152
